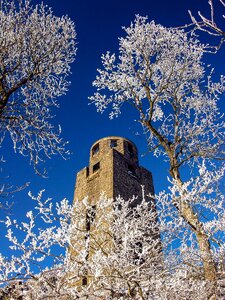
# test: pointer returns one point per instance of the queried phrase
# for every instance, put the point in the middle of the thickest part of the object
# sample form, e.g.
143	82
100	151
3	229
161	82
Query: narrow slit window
131	170
95	149
130	148
84	281
87	171
113	143
137	253
90	216
96	167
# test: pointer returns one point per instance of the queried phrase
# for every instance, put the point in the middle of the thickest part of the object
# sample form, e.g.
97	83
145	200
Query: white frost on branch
209	25
161	73
37	49
122	256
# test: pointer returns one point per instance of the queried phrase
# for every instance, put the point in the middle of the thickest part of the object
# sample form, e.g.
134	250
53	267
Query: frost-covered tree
209	25
121	257
116	257
36	50
161	73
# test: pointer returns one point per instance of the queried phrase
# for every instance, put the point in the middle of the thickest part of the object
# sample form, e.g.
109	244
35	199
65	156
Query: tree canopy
161	73
37	49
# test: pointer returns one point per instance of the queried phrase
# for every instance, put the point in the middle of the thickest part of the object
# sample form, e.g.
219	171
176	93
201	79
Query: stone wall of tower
130	180
113	169
92	183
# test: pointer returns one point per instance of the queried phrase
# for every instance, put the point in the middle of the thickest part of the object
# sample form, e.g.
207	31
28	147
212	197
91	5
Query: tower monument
113	169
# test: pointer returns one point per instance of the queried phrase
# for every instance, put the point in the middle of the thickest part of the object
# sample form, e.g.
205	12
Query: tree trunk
187	213
191	218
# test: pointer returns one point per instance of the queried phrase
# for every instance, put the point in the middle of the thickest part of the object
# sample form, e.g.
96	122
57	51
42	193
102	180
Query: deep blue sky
98	25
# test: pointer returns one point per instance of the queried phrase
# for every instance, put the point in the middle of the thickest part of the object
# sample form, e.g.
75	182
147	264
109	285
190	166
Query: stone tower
113	169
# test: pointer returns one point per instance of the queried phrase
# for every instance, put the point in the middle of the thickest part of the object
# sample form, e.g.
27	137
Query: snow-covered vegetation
129	252
162	74
37	49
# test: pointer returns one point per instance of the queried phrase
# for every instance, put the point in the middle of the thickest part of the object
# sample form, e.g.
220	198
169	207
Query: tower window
95	149
130	148
113	143
84	281
90	216
131	170
137	253
96	167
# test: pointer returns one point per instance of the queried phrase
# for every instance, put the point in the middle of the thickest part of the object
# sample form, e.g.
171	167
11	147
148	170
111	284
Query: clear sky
98	25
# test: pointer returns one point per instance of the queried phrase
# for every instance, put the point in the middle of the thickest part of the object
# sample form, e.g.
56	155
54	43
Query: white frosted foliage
37	49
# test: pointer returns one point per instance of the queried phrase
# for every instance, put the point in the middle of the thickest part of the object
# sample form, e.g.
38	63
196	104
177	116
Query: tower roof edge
114	138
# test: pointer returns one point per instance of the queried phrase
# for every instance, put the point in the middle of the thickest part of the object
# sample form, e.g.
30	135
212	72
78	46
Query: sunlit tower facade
113	170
